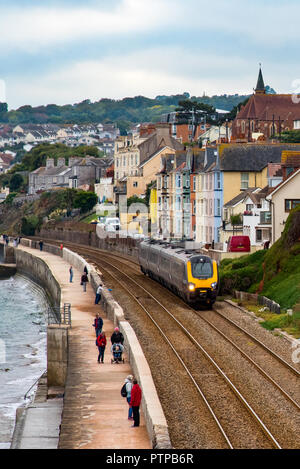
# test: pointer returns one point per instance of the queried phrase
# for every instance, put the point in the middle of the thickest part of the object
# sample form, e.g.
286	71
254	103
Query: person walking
135	402
71	274
117	337
41	243
128	387
101	343
85	270
84	281
98	294
98	324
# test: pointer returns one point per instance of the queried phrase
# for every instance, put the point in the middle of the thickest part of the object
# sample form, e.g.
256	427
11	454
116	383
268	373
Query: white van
112	224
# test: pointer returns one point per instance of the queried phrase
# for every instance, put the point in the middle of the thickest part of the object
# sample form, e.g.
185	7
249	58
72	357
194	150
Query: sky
66	51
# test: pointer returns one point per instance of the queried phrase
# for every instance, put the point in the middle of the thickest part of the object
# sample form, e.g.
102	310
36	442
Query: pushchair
117	351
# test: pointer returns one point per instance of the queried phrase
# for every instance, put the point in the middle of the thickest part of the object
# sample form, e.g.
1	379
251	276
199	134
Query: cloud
164	70
31	29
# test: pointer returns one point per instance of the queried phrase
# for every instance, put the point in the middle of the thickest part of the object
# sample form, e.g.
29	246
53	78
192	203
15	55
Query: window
249	207
258	236
179	180
135	184
265	218
243	127
165	182
194	183
210	206
218	207
159	182
244	181
290	204
218	180
178	202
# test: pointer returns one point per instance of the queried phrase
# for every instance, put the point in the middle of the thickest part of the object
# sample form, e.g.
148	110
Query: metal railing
57	315
36	381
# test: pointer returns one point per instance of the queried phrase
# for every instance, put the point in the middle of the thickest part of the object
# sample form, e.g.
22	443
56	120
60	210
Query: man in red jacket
136	397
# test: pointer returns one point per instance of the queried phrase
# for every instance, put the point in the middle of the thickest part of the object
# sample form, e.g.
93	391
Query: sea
23	342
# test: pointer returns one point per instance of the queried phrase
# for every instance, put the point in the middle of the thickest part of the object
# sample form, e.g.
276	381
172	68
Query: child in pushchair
117	351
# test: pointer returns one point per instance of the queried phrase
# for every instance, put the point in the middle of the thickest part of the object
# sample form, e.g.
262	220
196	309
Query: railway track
262	437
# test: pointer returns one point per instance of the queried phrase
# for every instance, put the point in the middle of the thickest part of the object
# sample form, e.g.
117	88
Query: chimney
50	163
163	129
74	160
61	162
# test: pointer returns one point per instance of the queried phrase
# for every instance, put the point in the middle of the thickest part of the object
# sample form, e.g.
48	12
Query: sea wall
38	271
155	420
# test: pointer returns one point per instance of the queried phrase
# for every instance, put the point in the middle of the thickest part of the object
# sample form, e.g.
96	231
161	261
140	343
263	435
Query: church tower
260	87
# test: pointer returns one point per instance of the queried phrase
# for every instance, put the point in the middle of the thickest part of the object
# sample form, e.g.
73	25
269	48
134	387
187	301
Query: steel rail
220	371
178	356
284	362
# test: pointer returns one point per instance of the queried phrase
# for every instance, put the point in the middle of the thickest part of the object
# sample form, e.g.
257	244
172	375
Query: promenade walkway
94	414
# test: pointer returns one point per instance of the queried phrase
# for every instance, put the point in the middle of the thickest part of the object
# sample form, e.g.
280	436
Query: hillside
123	112
274	273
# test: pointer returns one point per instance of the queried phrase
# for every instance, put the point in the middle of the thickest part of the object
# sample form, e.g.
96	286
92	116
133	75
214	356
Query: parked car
238	244
112	224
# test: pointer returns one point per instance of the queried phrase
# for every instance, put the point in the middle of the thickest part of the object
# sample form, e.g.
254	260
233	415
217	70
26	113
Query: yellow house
246	166
137	185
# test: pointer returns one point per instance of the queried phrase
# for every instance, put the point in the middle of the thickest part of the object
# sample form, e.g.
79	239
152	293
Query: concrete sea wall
36	269
155	420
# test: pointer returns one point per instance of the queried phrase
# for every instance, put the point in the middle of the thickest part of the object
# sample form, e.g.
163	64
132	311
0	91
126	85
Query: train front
203	280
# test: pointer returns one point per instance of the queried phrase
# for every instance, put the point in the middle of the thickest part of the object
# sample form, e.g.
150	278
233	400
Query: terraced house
198	191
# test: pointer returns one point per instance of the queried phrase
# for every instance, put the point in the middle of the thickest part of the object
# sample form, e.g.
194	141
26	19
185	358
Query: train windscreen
202	267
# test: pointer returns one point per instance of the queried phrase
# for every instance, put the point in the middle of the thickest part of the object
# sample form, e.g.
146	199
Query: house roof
146	160
283	183
251	158
264	106
240	197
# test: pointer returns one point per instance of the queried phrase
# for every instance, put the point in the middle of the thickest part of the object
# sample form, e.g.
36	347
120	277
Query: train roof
173	249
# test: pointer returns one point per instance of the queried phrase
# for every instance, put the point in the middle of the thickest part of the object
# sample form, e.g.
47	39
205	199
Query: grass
271	321
90	218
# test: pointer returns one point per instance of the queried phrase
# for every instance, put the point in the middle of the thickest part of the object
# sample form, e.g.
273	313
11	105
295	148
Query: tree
15	182
291	136
85	200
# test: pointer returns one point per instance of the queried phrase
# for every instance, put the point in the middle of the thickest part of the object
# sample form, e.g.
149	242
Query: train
192	276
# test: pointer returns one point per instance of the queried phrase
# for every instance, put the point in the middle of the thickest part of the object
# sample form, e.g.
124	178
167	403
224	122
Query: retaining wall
36	269
113	242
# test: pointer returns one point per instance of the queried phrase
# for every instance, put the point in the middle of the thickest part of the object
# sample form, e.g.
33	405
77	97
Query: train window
202	268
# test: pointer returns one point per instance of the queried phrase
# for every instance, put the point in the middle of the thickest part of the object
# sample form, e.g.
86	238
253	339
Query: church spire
260	87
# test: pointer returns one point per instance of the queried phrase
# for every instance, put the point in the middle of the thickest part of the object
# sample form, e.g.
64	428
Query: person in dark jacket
117	337
98	324
101	343
84	281
135	402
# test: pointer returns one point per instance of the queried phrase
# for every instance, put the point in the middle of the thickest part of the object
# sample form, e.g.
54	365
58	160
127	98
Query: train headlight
191	287
214	285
